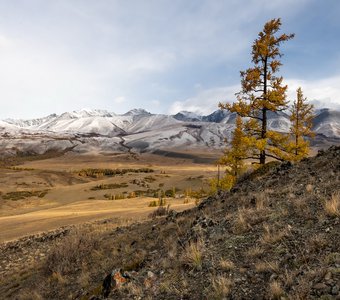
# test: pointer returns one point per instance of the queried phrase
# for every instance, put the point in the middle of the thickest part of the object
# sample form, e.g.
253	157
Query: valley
44	194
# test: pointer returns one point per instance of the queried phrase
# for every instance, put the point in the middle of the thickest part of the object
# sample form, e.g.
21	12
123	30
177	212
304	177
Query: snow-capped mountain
187	116
327	122
103	131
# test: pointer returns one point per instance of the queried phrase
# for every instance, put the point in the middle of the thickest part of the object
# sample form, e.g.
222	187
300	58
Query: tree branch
275	157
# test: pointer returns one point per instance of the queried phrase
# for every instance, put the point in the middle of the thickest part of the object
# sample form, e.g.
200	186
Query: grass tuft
193	255
332	206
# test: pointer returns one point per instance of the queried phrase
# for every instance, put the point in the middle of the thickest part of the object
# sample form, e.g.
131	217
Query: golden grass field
42	195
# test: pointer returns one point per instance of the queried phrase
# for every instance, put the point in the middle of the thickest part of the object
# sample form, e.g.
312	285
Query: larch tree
232	158
262	92
234	155
301	117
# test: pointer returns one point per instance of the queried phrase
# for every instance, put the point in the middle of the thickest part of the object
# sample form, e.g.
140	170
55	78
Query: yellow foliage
233	157
302	116
262	92
224	183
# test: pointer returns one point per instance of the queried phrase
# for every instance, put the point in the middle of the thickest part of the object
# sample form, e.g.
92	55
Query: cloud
205	101
144	50
119	100
321	92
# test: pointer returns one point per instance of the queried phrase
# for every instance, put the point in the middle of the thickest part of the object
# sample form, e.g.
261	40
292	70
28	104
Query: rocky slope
275	235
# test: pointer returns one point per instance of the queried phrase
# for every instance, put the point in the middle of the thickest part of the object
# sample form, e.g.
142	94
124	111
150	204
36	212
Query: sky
162	55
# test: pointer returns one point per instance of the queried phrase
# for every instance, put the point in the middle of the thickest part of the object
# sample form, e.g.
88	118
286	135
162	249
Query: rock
321	287
328	276
114	280
335	290
150	280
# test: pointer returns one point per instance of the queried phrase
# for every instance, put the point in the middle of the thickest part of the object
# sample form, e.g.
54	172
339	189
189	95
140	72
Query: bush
69	258
110	172
160	211
225	183
109	186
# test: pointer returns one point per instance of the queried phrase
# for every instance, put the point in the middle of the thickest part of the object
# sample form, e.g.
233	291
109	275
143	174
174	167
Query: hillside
275	235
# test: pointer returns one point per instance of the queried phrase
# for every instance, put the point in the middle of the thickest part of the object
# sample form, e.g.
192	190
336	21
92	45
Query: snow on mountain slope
151	122
85	125
201	135
217	116
33	123
8	127
327	122
100	131
187	116
137	112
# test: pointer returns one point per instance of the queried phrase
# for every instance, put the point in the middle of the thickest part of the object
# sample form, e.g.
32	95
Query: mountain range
100	131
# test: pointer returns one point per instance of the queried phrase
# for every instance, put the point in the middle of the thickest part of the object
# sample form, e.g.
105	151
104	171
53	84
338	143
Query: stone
328	276
114	280
320	286
335	290
150	280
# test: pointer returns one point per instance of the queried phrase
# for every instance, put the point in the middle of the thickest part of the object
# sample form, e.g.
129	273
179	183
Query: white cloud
205	101
119	100
322	93
143	50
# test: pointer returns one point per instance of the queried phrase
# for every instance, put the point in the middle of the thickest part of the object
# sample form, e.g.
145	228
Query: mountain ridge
104	131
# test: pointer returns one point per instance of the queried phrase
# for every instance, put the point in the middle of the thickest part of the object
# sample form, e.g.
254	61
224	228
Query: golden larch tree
301	117
233	159
234	155
262	92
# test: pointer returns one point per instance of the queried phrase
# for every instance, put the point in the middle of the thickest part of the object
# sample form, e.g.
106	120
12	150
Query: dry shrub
69	256
303	292
84	279
309	188
57	277
332	206
241	224
289	278
266	266
193	255
261	201
271	236
254	252
275	290
317	242
221	287
134	290
134	260
29	295
171	244
301	205
160	211
226	264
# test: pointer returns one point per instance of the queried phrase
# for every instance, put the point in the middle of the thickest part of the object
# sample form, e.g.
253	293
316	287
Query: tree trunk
264	114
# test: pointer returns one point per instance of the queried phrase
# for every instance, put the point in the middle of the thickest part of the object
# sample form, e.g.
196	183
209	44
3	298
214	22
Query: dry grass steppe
42	195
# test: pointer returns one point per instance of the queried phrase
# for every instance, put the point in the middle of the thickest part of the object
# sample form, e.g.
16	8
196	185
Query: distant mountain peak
187	116
137	112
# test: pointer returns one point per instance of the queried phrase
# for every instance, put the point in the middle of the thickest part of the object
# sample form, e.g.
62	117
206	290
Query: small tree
262	92
233	159
301	118
235	154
